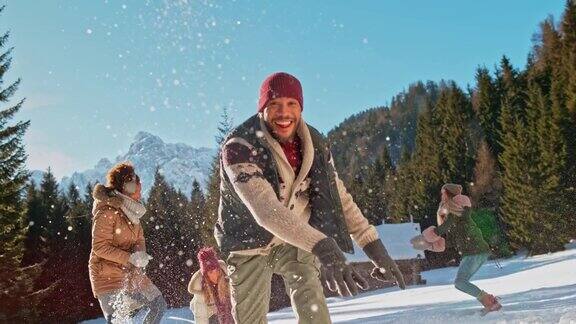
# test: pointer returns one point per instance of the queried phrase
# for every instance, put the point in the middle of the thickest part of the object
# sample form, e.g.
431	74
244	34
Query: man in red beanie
283	210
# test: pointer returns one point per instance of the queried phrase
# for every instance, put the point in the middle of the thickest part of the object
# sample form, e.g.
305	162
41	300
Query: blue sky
97	72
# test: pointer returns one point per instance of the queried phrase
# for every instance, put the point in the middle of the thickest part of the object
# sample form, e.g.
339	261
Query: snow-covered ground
396	238
540	289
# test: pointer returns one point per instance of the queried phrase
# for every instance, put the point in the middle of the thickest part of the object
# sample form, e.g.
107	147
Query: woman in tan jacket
118	257
209	285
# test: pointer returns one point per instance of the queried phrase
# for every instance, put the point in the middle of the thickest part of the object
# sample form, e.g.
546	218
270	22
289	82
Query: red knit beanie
280	85
208	260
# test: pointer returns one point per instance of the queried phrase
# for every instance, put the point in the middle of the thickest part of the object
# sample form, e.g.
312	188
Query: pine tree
453	114
510	84
165	230
487	106
224	126
400	189
486	187
213	189
36	250
88	199
55	233
552	161
74	270
568	30
375	191
16	281
197	207
531	203
425	171
567	85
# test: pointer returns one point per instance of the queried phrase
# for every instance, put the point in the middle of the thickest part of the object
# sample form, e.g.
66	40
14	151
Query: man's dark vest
237	229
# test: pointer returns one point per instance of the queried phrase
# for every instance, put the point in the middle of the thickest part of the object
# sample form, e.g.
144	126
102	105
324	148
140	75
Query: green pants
251	279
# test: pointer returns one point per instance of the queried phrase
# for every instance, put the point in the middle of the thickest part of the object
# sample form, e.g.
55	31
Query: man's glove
339	276
385	268
139	259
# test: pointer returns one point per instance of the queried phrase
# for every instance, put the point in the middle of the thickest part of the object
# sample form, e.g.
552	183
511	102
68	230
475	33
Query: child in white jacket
209	285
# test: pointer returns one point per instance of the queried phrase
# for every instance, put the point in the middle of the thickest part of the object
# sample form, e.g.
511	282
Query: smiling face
282	116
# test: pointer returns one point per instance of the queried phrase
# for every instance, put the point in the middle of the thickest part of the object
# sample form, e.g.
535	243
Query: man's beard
272	127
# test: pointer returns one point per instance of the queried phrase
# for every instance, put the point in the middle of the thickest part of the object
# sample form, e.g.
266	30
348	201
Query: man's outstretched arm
260	198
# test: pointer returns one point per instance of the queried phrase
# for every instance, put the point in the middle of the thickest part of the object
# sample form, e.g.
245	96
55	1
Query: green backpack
492	233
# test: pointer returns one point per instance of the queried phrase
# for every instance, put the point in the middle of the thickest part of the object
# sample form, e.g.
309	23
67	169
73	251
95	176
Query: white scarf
133	209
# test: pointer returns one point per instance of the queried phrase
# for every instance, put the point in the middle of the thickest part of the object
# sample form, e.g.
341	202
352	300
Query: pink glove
431	236
438	246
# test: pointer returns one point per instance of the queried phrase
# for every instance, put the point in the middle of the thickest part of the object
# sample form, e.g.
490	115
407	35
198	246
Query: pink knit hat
208	260
452	188
280	85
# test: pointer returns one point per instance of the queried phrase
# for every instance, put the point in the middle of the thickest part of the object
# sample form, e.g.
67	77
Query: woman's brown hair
120	174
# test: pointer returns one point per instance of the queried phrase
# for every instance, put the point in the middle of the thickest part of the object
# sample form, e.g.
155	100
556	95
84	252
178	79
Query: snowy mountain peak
143	136
181	164
104	163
